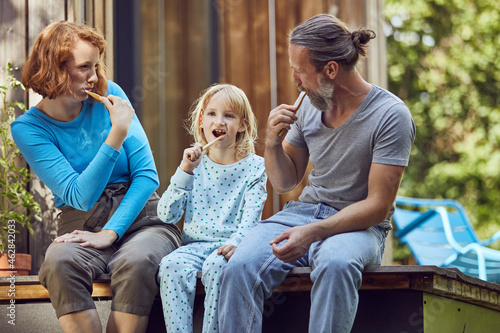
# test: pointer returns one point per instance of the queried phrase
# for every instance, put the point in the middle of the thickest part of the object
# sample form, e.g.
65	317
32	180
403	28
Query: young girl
222	194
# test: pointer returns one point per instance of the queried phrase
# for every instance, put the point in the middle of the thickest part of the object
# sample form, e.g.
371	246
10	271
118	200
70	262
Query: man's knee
236	264
337	269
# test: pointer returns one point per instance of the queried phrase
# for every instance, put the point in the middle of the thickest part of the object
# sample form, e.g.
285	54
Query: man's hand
280	118
98	240
298	241
226	250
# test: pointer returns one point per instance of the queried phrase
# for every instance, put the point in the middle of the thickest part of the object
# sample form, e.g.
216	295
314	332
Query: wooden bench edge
430	279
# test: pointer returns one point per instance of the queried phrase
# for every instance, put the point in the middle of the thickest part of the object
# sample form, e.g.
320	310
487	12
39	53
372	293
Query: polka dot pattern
221	203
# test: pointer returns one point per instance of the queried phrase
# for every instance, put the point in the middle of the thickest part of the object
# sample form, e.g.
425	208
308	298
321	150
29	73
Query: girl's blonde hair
238	101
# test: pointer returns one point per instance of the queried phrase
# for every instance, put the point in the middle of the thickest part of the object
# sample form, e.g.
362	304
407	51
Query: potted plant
17	205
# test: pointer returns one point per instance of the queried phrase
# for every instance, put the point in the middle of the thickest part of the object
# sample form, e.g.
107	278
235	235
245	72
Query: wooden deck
392	299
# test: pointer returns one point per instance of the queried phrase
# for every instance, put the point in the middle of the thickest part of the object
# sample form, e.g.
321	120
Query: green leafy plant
443	62
17	204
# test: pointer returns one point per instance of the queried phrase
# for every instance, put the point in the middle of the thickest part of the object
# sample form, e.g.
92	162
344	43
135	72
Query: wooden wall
178	58
20	23
181	58
186	46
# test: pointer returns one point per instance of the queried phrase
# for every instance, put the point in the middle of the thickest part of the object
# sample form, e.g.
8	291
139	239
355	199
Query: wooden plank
259	95
287	17
195	59
76	11
102	289
175	99
376	64
99	15
109	35
310	8
351	12
31	292
246	61
13	37
88	14
149	94
388	281
429	279
237	68
175	71
38	292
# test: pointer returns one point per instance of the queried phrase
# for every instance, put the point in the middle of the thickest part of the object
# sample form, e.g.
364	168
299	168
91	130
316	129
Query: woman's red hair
44	70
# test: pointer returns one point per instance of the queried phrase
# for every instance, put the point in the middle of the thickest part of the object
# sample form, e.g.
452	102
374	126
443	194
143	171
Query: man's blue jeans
337	264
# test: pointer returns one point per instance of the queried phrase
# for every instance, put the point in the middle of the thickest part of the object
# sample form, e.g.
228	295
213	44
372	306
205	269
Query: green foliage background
443	58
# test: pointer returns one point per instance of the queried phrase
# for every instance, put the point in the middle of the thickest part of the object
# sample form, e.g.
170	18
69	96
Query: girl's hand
98	240
121	114
226	250
192	158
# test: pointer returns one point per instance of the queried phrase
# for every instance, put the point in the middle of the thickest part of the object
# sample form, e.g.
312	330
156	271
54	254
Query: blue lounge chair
438	232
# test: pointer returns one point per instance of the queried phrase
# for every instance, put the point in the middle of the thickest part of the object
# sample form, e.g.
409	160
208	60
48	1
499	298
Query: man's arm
286	166
383	184
285	163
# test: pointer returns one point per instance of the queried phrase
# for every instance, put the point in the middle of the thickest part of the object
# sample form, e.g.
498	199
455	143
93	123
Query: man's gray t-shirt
380	131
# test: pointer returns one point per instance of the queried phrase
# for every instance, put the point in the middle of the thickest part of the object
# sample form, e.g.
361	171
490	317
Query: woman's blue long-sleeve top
72	159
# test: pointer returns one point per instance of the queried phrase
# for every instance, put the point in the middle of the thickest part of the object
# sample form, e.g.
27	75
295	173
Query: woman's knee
64	261
62	256
58	256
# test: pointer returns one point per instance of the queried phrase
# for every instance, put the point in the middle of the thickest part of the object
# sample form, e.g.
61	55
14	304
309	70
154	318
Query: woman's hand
192	157
121	114
226	250
98	240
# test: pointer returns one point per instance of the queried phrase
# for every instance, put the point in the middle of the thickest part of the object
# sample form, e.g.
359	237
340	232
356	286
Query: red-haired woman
96	159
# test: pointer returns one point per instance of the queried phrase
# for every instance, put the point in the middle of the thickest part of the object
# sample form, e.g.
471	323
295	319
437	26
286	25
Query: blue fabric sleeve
143	177
173	202
254	200
80	191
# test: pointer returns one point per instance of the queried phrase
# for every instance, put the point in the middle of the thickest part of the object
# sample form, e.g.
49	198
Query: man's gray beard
322	100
